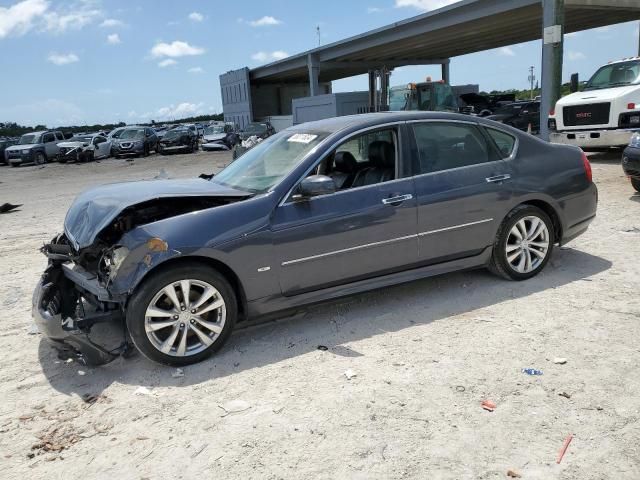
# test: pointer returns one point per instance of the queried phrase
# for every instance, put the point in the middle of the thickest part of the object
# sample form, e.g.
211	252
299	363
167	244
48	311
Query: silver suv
34	147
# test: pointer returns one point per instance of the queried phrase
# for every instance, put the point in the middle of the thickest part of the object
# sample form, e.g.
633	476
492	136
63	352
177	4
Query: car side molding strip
384	242
455	227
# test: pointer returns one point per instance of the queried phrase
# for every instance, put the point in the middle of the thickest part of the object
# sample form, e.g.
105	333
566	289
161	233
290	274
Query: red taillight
631	106
587	167
552	112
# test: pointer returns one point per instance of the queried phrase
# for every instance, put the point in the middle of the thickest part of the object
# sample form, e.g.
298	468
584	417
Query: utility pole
532	78
552	46
318	32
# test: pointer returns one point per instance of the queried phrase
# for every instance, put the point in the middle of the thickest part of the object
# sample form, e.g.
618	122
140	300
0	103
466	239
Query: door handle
397	200
498	178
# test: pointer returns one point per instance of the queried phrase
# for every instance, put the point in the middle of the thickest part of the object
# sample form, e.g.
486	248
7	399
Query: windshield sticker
302	138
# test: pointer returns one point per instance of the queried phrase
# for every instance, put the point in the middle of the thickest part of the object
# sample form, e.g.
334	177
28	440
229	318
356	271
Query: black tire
635	183
145	150
40	159
499	264
14	165
135	315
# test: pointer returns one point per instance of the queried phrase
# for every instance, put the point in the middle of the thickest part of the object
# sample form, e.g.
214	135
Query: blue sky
87	61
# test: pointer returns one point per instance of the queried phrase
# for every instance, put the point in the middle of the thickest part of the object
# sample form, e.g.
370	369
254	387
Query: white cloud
196	17
574	56
424	4
175	49
195	70
374	10
60	59
19	18
167	63
132	113
181	110
74	17
113	39
506	52
265	56
266	21
112	23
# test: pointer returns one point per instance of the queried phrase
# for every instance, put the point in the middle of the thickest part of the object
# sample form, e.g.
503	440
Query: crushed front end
70	304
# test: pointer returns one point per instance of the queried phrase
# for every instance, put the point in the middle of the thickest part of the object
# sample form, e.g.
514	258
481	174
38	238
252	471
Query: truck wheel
182	315
635	182
41	158
523	244
14	165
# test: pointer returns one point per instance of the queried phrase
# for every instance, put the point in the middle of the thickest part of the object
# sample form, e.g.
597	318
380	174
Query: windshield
131	134
255	128
29	139
175	133
401	99
615	75
270	161
117	133
443	98
213	130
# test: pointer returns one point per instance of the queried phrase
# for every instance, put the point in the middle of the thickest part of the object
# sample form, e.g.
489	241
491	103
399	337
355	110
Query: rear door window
448	145
504	142
48	137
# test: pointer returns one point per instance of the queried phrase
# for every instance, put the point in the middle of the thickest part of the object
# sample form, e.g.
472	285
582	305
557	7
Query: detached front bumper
586	139
66	312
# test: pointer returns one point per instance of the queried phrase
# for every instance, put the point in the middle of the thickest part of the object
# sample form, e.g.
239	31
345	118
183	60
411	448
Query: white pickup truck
605	114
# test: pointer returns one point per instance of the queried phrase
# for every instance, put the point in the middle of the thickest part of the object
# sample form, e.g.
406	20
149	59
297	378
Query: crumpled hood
214	137
72	144
94	209
13	148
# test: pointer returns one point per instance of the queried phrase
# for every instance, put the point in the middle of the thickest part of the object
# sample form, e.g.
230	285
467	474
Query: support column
552	46
313	63
446	75
372	90
384	89
639	39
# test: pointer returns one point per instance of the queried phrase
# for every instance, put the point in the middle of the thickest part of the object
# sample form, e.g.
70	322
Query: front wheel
41	159
635	183
523	244
182	315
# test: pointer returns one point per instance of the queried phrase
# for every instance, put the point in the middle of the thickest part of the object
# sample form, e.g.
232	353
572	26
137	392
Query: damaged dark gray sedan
318	211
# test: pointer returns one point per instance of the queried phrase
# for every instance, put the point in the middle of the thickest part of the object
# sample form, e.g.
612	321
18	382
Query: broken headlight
113	260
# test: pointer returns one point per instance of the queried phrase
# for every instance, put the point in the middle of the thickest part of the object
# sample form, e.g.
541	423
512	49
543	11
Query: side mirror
314	186
574	86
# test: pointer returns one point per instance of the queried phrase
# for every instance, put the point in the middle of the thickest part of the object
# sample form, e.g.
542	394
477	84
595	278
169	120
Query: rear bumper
631	162
57	305
586	139
582	210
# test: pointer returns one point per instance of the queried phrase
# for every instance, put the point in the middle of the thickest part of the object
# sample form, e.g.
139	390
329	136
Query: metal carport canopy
458	29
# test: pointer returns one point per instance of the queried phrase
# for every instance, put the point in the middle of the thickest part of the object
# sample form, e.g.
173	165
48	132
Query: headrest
382	154
345	162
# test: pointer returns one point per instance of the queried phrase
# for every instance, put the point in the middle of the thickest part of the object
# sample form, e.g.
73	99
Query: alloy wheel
527	244
185	317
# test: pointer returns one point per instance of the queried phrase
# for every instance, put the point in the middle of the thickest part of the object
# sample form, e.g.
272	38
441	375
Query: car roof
336	124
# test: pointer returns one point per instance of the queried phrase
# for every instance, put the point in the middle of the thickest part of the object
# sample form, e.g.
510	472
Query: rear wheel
524	243
182	315
635	183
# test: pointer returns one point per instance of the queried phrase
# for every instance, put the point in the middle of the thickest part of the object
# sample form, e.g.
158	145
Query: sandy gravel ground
271	405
